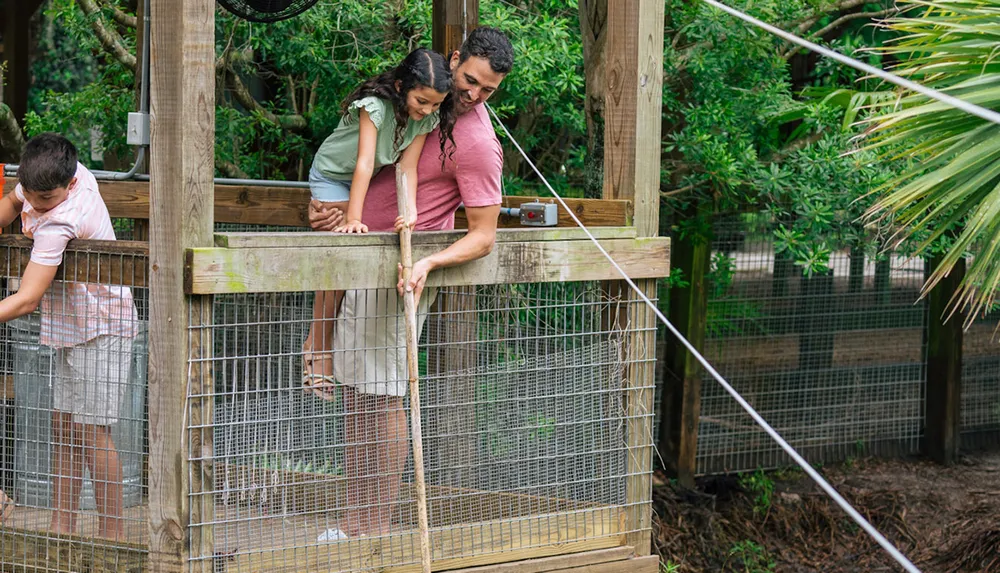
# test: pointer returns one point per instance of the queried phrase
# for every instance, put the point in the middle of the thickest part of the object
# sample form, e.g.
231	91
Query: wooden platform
245	542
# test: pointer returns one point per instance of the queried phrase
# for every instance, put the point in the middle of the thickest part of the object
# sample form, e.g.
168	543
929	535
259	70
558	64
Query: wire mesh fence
522	398
834	361
74	375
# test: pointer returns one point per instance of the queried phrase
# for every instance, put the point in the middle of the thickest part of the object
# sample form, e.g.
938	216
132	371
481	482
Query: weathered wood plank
105	262
454	548
634	77
561	562
640	385
31	551
646	564
296	240
287	207
217	270
181	199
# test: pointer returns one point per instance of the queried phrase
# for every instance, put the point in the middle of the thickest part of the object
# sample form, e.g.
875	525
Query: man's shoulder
474	128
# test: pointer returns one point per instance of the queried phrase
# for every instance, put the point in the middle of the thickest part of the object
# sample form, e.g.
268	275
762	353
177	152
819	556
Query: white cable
970	108
823	484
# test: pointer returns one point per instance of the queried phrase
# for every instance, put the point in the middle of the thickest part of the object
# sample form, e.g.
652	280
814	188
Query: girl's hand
352	227
400	223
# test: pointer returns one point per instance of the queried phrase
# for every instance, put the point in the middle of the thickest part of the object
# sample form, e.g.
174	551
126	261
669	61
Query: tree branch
109	38
802	26
837	24
11	137
124	19
230	169
293	122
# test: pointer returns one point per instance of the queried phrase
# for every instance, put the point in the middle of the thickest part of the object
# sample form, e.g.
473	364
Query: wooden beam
286	207
449	23
121	263
634	76
297	240
942	436
181	191
295	269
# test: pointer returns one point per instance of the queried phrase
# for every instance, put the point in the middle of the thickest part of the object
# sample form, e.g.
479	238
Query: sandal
321	385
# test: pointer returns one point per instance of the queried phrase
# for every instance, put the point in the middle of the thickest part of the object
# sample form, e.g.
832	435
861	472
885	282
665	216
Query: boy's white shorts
90	379
369	340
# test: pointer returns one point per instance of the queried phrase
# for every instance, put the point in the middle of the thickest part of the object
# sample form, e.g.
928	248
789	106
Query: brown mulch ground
945	519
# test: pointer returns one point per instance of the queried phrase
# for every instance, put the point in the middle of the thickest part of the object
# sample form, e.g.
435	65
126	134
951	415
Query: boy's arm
10	208
37	279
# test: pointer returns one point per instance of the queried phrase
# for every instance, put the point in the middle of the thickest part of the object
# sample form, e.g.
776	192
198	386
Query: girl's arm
367	136
408	162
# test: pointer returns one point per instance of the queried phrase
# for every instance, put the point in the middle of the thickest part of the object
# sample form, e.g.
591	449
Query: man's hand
352	227
324	218
418	278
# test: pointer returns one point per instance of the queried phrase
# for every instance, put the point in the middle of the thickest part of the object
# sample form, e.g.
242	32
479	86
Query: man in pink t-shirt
89	326
369	358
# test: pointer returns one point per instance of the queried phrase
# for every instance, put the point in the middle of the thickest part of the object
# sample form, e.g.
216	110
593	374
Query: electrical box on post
537	214
138	128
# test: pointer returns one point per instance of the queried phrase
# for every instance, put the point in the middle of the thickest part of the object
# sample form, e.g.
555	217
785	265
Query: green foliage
669	567
740	138
751	557
949	199
305	66
761	487
72	93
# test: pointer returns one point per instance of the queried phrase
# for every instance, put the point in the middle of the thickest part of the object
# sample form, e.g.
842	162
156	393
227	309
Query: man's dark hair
490	44
48	162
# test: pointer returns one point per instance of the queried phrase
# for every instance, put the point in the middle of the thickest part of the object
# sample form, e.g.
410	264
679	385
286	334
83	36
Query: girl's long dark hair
421	67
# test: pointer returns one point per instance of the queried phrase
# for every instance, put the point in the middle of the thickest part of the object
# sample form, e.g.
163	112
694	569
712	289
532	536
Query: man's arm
475	244
36	280
10	208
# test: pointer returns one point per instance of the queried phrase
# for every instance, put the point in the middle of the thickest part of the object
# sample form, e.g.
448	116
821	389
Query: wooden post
181	209
680	401
942	436
634	76
447	27
815	324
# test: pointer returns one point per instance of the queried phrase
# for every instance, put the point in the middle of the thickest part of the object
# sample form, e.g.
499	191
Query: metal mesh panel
522	399
981	381
74	375
834	362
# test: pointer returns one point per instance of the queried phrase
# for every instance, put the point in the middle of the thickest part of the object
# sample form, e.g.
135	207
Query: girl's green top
338	156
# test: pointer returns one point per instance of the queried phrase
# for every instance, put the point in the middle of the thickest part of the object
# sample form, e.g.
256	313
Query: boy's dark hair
420	68
48	162
490	44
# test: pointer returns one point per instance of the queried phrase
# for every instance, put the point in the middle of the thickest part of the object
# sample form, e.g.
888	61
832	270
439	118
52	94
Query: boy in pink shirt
89	326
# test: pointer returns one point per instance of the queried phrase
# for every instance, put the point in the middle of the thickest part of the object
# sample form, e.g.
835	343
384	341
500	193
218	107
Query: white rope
823	484
932	93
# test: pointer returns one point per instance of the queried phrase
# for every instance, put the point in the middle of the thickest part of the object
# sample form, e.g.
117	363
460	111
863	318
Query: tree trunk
593	27
11	137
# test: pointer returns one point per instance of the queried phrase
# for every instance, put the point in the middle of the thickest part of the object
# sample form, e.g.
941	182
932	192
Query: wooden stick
410	309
